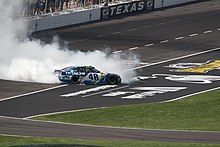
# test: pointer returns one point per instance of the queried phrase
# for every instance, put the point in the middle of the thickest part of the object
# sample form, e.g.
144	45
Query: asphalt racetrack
167	41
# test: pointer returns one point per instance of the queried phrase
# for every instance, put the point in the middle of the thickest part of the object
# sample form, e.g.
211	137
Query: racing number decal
94	77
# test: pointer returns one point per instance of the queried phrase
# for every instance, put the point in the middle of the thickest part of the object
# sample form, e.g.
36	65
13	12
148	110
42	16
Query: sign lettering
126	8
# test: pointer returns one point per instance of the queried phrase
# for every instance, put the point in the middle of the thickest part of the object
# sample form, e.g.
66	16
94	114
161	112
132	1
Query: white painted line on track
79	110
164	41
10	135
178	38
175	21
209	31
218	29
162	23
191	95
34	92
105	91
117	52
192	35
130	30
115	33
147	45
182	57
83	40
133	48
101	36
145	27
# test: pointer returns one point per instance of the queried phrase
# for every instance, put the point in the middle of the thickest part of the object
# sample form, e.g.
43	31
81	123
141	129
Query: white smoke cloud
22	59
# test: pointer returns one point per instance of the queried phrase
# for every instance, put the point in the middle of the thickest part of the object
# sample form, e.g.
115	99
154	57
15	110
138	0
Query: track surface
158	37
45	129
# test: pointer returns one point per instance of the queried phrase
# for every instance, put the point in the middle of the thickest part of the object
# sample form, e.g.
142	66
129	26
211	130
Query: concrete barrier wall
166	3
58	19
63	19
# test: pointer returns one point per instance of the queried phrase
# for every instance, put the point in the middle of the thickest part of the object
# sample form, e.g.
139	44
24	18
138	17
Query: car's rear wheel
75	80
112	80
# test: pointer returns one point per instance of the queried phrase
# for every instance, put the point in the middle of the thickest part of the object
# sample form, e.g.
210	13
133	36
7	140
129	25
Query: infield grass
199	112
57	142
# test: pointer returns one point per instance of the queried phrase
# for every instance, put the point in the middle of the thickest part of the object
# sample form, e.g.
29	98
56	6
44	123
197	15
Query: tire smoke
22	59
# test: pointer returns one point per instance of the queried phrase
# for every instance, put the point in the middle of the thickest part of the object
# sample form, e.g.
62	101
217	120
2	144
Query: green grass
55	142
199	112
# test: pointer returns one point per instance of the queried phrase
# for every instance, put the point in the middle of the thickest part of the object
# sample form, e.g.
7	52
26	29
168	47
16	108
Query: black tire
75	79
112	80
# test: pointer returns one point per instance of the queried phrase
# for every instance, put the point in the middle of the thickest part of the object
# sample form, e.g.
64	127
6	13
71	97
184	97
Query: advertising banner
126	8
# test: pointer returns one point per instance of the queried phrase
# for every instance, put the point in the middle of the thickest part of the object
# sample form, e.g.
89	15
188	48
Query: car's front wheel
112	80
75	79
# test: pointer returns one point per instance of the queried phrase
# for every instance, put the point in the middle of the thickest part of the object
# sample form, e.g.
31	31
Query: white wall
81	16
166	3
60	20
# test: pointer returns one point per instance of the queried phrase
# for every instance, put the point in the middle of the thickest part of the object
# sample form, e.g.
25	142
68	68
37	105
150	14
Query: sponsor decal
150	5
105	12
77	73
194	79
196	67
126	8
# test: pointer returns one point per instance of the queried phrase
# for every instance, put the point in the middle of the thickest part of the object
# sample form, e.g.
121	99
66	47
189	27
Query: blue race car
86	75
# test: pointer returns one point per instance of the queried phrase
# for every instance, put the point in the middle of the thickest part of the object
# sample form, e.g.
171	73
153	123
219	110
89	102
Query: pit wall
80	15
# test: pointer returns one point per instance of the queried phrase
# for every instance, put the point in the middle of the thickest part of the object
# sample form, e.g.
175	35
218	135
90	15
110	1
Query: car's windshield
68	68
92	70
